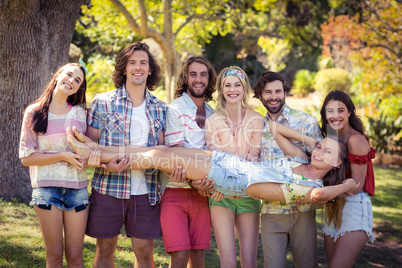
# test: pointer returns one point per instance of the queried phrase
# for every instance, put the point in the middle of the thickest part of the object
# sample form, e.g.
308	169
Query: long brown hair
182	81
333	209
40	113
354	120
119	78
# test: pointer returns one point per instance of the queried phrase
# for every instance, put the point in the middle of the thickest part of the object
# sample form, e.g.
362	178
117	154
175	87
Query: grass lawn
21	243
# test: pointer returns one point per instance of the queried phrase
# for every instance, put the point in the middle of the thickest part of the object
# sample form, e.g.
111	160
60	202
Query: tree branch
120	7
202	17
144	19
373	11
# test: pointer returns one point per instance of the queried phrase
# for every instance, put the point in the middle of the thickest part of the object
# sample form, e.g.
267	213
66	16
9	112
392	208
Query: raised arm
282	134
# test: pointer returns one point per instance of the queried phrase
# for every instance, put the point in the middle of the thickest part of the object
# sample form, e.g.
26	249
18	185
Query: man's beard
273	110
196	94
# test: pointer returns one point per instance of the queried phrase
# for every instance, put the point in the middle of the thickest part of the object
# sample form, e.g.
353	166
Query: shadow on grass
21	256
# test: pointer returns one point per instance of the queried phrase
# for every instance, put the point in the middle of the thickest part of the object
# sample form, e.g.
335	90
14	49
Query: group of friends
176	171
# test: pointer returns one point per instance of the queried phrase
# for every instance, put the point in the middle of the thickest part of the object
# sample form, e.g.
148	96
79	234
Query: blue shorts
232	174
357	215
60	197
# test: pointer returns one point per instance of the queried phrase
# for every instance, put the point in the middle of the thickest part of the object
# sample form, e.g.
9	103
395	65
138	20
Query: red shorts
107	215
185	220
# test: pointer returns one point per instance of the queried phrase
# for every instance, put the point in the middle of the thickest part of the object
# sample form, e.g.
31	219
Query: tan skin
197	164
197	83
224	220
137	71
52	222
345	250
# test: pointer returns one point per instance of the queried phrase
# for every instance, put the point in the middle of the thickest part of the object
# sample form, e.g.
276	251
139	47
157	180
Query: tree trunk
172	72
35	38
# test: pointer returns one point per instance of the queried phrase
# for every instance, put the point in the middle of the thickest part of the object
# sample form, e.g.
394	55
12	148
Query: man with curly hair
128	115
185	219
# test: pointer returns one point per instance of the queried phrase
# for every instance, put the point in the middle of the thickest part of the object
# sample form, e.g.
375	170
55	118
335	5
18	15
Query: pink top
244	141
59	174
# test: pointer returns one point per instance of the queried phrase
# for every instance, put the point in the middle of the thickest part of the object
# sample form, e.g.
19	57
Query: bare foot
82	138
79	148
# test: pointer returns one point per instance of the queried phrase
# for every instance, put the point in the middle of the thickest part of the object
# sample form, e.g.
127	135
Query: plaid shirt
270	150
111	112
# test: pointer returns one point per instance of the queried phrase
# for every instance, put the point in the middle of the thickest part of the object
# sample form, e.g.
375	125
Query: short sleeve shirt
181	127
111	112
270	150
58	174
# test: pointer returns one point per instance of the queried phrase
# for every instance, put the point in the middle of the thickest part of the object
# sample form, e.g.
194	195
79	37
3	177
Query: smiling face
233	90
137	68
273	97
337	114
326	154
197	80
69	80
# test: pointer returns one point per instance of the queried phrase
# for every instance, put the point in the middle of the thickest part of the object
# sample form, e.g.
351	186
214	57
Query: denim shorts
232	174
60	197
357	215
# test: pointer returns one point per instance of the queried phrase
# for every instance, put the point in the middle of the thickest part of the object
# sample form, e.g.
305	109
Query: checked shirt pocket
114	123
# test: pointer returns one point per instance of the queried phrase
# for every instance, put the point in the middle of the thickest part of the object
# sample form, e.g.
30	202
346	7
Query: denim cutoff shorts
60	197
357	215
232	174
229	172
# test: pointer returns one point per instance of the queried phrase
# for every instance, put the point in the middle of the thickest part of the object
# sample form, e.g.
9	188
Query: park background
319	46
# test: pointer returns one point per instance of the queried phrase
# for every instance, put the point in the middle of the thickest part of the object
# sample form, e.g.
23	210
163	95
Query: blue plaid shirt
270	150
111	112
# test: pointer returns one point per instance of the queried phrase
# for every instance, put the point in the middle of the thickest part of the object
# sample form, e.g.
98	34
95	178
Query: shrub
332	79
303	83
385	135
326	63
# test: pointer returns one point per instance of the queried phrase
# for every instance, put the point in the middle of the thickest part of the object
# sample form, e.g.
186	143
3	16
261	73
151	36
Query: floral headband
235	72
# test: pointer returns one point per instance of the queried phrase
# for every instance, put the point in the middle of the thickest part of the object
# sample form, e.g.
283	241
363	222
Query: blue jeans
60	197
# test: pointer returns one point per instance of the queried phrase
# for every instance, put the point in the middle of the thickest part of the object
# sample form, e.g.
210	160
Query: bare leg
223	223
267	190
247	226
51	225
143	250
196	259
179	259
347	248
104	255
197	162
74	229
93	145
329	246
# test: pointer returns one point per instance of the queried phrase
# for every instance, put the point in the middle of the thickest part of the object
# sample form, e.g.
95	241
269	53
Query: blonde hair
221	107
